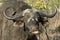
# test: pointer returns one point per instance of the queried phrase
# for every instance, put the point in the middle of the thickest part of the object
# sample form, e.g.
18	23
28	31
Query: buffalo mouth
34	30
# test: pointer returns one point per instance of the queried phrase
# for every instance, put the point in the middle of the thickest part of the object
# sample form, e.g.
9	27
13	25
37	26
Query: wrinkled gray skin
29	16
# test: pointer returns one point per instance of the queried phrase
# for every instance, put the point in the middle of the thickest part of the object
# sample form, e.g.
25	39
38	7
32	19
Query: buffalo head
30	17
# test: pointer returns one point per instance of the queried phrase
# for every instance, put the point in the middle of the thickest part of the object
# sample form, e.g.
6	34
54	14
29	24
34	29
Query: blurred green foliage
42	4
39	4
45	5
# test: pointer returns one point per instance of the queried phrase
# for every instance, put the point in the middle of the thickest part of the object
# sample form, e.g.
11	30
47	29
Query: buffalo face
31	21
